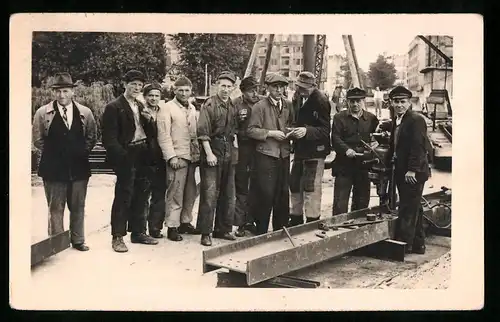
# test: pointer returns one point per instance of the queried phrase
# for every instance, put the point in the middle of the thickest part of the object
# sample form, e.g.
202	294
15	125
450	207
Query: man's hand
211	159
177	163
350	153
299	132
277	135
410	177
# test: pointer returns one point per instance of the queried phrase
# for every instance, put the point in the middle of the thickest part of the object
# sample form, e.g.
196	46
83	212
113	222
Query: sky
368	47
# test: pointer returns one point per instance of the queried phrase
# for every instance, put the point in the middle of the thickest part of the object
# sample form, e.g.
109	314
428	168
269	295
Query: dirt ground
180	264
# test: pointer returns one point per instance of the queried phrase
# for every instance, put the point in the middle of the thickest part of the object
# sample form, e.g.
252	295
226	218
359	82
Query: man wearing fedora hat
350	128
246	149
270	122
216	131
65	132
311	147
127	134
409	149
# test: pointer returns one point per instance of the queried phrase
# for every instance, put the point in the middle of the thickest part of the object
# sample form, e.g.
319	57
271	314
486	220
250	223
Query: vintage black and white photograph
241	160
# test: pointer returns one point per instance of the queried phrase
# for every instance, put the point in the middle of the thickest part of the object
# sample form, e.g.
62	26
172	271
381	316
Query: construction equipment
319	56
49	247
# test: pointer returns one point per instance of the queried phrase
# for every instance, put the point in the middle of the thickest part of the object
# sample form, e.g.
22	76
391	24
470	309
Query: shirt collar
361	114
274	101
221	102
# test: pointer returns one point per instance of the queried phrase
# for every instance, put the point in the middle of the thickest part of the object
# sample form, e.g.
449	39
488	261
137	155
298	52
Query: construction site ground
179	264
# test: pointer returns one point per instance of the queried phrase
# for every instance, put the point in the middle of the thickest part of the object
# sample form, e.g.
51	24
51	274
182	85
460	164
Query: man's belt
137	143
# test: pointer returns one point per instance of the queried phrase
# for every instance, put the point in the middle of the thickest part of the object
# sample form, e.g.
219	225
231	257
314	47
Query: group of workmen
242	148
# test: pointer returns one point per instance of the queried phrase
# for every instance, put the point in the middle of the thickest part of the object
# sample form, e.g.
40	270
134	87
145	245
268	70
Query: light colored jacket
177	131
45	115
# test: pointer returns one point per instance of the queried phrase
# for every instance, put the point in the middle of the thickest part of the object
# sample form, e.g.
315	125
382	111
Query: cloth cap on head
355	92
227	75
306	80
248	83
275	78
133	75
62	80
149	87
183	81
400	92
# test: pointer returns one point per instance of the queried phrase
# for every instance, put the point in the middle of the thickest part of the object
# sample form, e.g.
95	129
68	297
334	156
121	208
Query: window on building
286	62
298	61
274	61
285	73
286	50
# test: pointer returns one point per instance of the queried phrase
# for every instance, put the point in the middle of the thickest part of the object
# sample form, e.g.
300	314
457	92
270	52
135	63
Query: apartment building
333	76
400	62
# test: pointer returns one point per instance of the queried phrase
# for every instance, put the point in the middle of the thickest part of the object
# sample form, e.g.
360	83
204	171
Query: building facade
400	62
334	77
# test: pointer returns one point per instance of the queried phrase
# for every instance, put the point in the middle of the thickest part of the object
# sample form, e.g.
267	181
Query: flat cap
275	78
227	75
133	75
355	92
149	87
400	92
306	80
248	83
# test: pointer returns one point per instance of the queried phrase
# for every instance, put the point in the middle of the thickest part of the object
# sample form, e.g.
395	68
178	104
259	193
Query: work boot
142	238
173	234
156	234
118	244
240	232
311	219
81	247
206	240
418	250
226	236
295	220
187	228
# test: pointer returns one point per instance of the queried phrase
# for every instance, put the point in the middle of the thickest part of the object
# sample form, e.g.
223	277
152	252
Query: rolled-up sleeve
204	127
255	128
164	124
38	130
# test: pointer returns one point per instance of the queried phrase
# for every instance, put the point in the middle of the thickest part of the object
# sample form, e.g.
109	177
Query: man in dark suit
409	150
311	146
127	136
350	128
65	132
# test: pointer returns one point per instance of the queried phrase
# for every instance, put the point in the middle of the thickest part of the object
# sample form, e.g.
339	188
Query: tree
219	51
382	73
95	56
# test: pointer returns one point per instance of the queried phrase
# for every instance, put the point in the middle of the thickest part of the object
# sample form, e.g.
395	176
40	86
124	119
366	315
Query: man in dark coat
311	146
246	150
217	133
350	127
127	136
409	148
271	119
158	187
65	132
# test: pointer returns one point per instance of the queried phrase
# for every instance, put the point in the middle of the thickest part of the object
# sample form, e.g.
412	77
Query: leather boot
189	229
118	244
206	240
173	234
142	239
226	236
240	232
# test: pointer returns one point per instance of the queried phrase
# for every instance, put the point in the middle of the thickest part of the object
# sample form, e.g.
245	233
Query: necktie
65	116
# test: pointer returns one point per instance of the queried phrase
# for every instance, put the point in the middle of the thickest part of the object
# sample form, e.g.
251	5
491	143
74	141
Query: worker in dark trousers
409	148
350	126
269	124
65	132
311	146
246	150
156	215
217	133
127	133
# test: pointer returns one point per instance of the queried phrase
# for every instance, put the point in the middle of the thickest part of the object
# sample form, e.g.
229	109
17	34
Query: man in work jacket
65	132
156	215
409	148
311	147
271	119
217	133
350	127
127	136
246	150
178	140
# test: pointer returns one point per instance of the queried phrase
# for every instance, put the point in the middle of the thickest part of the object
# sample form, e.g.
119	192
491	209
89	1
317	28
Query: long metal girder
267	256
50	246
320	54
